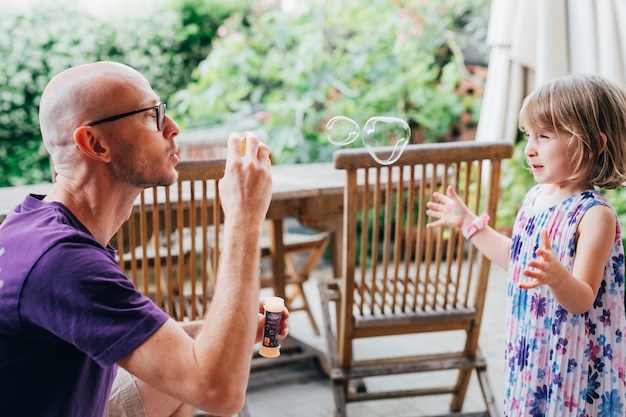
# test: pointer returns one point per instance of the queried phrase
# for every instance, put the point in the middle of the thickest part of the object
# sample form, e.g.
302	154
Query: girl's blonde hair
593	110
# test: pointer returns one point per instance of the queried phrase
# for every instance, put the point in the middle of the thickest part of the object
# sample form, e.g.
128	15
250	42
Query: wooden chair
167	246
311	245
400	278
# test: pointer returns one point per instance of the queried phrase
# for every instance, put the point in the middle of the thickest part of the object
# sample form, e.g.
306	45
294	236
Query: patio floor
302	390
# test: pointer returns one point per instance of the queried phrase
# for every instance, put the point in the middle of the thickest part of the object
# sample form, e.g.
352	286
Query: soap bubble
385	138
341	130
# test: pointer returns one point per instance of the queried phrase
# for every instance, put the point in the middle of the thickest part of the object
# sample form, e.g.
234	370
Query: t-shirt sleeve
77	292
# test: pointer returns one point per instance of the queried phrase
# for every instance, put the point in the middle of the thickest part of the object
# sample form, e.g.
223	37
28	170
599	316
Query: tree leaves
49	38
357	58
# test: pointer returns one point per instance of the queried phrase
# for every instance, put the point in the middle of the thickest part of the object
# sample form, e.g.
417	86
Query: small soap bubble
341	130
385	138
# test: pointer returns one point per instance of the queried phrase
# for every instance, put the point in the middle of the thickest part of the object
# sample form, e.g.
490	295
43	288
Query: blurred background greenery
281	66
286	66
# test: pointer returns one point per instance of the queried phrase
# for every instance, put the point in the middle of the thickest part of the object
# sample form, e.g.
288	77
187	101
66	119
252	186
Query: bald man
76	337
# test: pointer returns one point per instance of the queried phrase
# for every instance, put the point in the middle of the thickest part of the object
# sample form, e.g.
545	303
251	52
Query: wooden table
313	193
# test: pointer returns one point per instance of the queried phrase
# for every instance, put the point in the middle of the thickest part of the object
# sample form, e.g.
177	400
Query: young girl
565	343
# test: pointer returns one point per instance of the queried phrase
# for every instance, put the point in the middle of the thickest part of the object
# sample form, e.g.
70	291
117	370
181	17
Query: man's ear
92	144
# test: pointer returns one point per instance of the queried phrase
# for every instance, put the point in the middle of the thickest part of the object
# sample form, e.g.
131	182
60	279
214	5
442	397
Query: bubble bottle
270	347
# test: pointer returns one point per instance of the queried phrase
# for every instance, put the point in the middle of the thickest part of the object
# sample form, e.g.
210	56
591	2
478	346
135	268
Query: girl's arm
451	211
576	291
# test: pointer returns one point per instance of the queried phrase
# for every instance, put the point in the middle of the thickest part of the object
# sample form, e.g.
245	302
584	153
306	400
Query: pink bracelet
475	226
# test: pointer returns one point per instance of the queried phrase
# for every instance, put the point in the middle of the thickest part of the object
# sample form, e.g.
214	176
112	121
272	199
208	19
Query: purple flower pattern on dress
538	306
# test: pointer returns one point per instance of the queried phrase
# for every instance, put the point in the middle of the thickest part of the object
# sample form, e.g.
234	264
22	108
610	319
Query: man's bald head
80	95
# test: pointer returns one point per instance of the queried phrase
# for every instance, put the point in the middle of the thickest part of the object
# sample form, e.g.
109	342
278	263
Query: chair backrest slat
169	246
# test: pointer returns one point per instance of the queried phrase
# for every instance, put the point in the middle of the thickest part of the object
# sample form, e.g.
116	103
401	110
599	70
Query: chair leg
462	382
488	396
485	387
298	291
297	279
338	386
339	394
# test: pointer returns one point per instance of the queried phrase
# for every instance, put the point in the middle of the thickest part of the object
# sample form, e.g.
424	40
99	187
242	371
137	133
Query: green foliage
294	71
200	20
50	38
515	182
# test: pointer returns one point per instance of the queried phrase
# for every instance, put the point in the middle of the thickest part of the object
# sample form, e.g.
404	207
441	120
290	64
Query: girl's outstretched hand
545	268
448	210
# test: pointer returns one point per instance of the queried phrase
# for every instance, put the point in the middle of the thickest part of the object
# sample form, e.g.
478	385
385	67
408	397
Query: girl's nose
529	148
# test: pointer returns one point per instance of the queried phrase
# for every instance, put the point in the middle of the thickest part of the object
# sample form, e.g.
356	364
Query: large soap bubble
341	130
385	138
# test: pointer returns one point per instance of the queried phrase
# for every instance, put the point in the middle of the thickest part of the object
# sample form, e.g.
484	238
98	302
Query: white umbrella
535	41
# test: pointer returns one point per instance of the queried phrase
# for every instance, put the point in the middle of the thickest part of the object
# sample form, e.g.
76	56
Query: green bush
356	58
200	20
49	38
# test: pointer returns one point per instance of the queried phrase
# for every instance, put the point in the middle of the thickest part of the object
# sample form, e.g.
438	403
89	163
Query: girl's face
548	156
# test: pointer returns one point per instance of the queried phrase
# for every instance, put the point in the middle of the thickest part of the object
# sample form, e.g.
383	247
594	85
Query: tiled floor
304	391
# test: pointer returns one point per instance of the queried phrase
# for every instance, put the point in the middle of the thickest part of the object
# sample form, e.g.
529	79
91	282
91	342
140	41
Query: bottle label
273	324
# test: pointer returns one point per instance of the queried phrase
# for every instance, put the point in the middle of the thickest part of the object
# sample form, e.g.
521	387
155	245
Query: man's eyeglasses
159	109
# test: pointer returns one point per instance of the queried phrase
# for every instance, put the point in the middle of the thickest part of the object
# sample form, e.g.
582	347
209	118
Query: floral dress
557	363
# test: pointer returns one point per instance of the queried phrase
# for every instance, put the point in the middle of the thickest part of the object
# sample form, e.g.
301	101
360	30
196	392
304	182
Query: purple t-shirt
67	314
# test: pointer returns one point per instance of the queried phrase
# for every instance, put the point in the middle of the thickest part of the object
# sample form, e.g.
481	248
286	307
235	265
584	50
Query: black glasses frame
160	115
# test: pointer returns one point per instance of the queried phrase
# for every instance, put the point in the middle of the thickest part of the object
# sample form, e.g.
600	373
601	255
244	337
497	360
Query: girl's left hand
545	268
447	210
